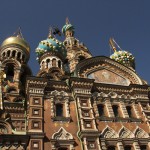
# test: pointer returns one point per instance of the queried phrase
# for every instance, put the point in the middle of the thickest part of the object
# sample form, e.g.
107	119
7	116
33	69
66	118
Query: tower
14	55
76	51
51	54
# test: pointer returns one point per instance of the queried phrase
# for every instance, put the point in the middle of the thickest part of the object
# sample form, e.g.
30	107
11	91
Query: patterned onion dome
51	45
124	58
16	40
66	27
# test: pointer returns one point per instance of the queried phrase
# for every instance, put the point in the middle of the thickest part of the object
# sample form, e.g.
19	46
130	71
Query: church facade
75	102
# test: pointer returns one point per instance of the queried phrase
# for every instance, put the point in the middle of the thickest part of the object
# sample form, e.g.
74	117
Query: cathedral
75	102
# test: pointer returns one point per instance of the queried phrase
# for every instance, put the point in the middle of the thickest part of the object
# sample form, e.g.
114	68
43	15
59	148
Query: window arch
100	108
48	63
81	58
18	55
111	148
10	72
8	53
115	110
129	110
54	62
60	137
13	53
59	63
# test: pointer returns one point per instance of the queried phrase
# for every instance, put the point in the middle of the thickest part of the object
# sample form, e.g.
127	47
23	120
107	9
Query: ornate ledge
63	119
118	119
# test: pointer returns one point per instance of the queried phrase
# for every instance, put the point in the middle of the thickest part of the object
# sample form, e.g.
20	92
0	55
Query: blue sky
95	21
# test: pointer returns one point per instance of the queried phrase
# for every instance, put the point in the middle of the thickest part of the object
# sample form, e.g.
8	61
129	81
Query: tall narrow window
111	148
48	63
127	148
59	110
129	110
59	64
54	62
115	110
143	147
101	110
13	53
10	72
62	148
18	55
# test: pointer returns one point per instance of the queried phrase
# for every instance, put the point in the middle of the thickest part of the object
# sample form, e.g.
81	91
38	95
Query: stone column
136	110
85	144
103	145
109	108
123	109
136	146
120	146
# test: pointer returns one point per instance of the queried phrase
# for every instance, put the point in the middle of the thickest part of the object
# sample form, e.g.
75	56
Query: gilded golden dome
17	41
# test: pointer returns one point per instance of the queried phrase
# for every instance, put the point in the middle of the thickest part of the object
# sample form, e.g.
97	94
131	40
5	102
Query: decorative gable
62	134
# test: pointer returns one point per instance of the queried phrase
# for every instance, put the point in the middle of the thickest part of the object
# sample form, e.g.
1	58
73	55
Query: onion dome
51	45
67	27
16	40
124	58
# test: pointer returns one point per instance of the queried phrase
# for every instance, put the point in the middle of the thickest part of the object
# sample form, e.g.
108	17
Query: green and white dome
52	45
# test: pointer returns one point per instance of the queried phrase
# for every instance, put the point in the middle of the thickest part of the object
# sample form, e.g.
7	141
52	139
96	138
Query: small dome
67	27
124	58
16	41
51	45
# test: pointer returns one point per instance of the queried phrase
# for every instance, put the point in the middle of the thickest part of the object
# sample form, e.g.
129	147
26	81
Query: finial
113	43
50	34
18	33
67	21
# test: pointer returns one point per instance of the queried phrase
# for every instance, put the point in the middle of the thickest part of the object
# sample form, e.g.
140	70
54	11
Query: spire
18	33
67	20
50	34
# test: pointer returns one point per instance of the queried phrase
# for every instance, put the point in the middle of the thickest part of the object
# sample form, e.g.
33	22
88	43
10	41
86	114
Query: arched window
115	110
54	62
127	148
3	54
143	147
81	58
101	110
111	148
63	148
129	110
18	55
48	63
10	72
59	64
59	110
8	53
13	53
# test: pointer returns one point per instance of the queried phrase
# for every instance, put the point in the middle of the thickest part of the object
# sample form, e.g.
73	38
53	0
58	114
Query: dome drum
49	62
14	53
